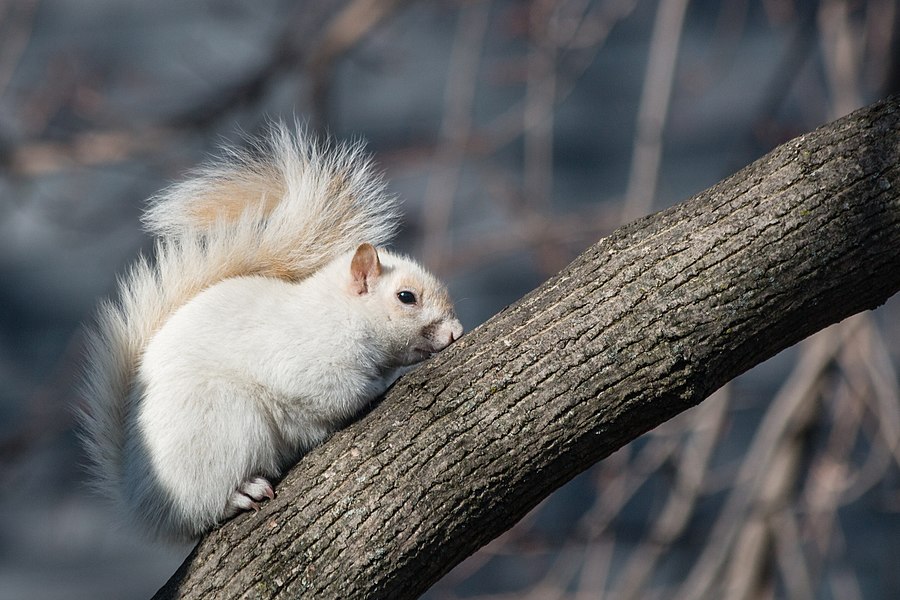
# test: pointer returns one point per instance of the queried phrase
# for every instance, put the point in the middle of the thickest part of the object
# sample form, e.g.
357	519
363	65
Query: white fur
207	378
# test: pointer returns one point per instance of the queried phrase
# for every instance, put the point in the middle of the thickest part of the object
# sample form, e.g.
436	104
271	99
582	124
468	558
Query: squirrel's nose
449	332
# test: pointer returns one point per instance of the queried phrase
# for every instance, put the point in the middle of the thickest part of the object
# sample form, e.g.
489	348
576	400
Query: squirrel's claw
248	495
257	488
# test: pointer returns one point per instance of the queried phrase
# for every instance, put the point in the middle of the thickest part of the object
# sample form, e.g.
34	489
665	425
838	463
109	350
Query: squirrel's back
284	208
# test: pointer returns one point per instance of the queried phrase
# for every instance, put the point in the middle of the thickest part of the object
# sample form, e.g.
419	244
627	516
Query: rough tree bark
645	324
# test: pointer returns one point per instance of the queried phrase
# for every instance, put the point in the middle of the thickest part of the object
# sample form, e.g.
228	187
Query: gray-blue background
508	128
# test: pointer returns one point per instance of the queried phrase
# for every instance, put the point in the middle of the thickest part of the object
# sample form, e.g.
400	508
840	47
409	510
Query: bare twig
343	31
654	106
842	49
16	23
459	96
83	150
703	431
794	400
540	98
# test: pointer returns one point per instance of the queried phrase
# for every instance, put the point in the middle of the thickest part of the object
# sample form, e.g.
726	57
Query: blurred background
517	133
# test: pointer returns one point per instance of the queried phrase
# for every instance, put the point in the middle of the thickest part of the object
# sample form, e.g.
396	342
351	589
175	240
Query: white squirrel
267	320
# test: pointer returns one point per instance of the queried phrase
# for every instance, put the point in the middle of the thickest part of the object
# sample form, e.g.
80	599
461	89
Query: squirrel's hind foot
248	495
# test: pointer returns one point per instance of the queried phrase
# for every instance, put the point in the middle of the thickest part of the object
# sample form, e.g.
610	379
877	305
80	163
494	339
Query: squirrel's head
413	304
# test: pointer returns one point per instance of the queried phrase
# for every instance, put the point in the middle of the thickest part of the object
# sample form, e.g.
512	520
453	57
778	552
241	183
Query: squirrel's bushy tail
283	208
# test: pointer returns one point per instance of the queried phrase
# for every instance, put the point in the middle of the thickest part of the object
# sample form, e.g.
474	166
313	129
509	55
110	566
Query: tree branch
645	324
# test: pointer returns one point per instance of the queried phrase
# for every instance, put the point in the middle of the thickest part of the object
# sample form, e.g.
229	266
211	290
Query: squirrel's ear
364	268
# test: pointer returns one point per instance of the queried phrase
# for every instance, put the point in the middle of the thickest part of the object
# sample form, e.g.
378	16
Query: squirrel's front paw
248	495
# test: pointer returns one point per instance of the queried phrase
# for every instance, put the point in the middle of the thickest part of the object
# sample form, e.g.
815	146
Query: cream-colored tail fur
284	209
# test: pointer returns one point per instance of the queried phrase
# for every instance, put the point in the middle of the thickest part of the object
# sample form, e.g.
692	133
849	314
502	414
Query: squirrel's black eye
406	297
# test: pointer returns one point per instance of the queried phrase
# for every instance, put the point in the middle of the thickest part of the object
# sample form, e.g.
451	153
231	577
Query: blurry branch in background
800	18
16	21
842	45
740	543
352	23
653	109
88	149
299	49
579	33
540	101
564	39
456	126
